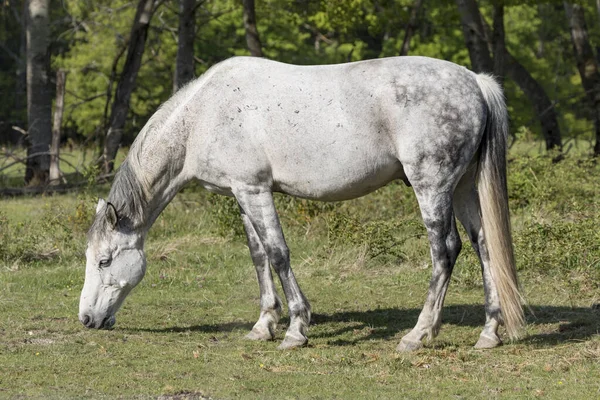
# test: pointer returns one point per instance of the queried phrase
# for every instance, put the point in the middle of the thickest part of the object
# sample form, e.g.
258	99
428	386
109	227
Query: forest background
122	59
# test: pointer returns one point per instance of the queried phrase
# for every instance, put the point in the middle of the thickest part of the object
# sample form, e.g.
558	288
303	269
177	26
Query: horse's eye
104	262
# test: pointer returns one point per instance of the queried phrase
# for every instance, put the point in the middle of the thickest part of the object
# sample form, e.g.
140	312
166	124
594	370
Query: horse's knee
446	248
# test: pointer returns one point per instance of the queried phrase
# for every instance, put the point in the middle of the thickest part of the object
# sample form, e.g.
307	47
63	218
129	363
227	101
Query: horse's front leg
257	204
436	209
270	304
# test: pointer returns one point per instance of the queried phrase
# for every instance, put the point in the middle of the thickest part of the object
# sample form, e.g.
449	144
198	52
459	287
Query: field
363	264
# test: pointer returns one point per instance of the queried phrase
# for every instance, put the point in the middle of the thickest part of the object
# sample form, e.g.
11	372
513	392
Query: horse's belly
336	184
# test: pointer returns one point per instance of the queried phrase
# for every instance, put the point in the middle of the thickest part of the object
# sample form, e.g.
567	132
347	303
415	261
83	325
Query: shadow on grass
206	328
577	323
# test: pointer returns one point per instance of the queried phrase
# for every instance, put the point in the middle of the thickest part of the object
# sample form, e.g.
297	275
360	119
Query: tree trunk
252	38
542	105
21	73
109	88
498	41
39	97
586	63
472	26
120	107
544	11
410	27
184	66
59	104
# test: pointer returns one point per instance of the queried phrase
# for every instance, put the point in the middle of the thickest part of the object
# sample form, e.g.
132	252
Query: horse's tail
493	197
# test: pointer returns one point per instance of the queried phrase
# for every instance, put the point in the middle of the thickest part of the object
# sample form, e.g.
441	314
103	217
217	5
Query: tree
410	27
186	33
90	37
252	38
472	26
586	63
13	64
39	97
498	41
59	106
542	105
120	107
480	39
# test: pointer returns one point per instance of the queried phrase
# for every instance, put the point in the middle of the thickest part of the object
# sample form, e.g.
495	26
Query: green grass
180	333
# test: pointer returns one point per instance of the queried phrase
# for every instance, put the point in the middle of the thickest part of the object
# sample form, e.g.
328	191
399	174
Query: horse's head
115	265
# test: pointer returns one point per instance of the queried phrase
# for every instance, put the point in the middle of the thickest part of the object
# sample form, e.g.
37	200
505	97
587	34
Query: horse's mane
129	196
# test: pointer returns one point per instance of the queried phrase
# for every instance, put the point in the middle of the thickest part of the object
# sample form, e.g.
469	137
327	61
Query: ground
364	265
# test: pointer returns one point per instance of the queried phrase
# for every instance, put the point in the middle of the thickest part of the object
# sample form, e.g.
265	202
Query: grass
180	333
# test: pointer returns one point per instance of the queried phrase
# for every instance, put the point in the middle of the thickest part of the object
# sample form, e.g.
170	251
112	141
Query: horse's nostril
108	322
86	320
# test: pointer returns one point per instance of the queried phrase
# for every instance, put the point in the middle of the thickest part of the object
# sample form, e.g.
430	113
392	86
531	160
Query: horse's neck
158	154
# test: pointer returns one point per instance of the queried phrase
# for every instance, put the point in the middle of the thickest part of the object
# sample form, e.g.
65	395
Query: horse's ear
101	204
111	215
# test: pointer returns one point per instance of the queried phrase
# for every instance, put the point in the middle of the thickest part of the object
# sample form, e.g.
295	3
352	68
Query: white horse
250	127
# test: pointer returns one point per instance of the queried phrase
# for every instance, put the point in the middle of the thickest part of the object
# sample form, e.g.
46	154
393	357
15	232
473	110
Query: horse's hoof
407	345
258	334
291	342
488	342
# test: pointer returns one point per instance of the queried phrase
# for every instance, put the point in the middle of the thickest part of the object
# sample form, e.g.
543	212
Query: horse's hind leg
436	209
270	304
466	207
258	206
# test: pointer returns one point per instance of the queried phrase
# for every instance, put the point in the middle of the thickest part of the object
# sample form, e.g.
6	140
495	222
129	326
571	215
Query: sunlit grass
181	331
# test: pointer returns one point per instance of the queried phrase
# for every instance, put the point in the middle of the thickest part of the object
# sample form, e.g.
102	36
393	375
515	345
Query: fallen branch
47	189
24	160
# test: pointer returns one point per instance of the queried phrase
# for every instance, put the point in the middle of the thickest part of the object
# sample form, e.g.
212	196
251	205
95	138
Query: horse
249	127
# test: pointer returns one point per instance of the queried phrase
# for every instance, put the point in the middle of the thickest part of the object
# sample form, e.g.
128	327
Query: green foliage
558	209
16	241
568	248
303	211
568	186
378	237
85	208
91	37
58	232
226	213
96	57
41	241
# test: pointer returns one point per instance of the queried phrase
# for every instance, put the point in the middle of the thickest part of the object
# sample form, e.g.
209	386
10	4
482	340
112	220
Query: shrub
226	215
380	237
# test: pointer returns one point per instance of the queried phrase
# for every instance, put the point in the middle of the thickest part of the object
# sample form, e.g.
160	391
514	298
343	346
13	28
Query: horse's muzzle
89	322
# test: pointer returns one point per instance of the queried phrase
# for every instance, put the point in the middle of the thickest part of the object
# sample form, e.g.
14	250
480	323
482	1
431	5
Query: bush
560	247
540	183
380	237
226	214
47	239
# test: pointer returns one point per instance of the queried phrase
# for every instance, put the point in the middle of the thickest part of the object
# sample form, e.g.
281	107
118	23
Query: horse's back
335	131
